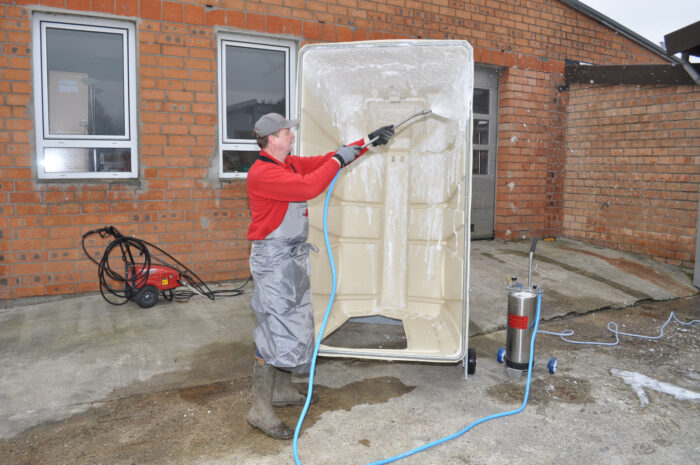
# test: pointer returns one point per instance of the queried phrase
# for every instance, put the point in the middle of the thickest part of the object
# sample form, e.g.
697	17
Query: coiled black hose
136	259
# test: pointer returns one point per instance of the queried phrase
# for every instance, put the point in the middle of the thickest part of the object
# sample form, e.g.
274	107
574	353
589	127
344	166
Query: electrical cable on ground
318	344
613	328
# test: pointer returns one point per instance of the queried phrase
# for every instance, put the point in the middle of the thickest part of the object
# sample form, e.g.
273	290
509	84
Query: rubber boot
285	393
261	414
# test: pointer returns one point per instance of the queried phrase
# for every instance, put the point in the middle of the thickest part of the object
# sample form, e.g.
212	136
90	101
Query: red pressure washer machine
160	278
141	281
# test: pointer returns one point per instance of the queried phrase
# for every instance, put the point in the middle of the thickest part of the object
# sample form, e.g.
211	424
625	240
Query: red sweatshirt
272	185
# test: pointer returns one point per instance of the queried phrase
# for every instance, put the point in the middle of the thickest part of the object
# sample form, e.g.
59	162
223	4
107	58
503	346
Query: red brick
255	22
194	14
21	292
275	25
235	18
151	9
104	6
292	26
173	12
215	17
127	7
312	30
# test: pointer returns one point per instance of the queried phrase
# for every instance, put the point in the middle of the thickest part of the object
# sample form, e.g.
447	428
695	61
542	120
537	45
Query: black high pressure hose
136	259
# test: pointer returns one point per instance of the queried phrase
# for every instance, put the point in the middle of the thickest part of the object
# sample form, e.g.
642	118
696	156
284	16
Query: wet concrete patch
368	336
567	304
641	271
645	319
179	426
580	271
543	391
493	257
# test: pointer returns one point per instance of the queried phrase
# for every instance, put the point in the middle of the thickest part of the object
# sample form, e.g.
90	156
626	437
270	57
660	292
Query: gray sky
651	19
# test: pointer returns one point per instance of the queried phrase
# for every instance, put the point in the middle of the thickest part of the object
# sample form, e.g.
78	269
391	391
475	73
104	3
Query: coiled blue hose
318	344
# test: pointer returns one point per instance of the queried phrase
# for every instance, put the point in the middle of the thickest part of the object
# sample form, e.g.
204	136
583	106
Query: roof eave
619	28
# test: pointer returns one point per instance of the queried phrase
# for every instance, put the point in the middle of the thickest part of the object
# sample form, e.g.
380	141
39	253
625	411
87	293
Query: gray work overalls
282	298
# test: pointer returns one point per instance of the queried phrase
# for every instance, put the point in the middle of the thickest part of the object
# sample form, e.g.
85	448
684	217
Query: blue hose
484	419
318	344
323	325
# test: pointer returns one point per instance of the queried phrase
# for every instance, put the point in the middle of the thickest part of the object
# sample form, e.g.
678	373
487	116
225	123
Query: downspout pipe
690	69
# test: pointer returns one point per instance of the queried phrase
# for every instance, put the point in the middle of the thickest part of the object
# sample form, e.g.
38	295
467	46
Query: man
279	184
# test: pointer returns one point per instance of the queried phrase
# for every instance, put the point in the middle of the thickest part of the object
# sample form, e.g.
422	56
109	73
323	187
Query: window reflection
481	131
255	85
238	161
481	101
480	162
85	71
86	160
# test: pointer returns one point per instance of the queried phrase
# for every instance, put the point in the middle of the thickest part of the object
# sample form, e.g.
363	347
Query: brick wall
633	169
531	132
179	203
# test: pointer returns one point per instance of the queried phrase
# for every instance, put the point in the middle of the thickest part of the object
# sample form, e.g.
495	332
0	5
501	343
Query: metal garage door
485	105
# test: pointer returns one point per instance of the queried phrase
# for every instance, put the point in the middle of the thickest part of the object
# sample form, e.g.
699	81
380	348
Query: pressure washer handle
529	269
375	138
534	244
367	144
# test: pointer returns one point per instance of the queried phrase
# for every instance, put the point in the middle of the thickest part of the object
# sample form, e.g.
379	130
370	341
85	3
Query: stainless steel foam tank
522	306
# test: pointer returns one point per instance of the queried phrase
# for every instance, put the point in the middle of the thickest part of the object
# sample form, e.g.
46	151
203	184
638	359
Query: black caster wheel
147	296
471	361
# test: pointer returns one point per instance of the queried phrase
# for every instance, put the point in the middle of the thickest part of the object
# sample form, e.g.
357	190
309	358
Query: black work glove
382	134
347	153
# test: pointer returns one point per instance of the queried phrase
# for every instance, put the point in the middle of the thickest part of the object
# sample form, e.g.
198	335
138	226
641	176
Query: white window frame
289	47
40	21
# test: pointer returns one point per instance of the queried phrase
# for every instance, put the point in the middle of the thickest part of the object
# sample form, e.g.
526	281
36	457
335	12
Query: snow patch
639	381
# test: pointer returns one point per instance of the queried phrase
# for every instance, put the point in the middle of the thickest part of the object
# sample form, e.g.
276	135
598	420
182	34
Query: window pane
85	72
238	161
255	85
480	162
481	101
86	160
481	131
483	162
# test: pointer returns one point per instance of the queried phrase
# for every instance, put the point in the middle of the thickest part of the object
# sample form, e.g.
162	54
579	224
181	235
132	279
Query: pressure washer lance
420	113
522	303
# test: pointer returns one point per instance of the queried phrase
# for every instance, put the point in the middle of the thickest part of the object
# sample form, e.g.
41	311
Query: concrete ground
85	382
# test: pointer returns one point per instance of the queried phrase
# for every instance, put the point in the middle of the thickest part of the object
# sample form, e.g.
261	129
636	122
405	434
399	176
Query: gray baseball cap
273	122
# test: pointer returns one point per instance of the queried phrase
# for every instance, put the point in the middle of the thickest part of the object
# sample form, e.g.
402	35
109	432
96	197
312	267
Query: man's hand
382	134
347	153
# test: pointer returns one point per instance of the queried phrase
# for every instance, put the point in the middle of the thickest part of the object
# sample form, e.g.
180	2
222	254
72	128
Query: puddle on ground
556	388
181	425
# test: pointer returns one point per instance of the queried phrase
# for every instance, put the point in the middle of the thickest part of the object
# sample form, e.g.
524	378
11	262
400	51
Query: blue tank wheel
471	361
501	355
552	365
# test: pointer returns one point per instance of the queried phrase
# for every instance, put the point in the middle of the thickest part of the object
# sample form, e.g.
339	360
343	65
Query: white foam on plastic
343	77
353	89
